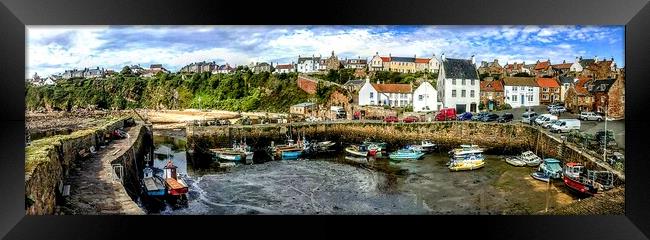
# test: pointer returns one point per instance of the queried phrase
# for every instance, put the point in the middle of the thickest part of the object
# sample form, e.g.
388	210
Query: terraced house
549	90
492	94
578	98
378	94
403	64
458	84
521	91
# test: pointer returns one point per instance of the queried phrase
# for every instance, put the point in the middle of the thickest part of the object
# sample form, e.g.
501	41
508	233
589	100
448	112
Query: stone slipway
92	188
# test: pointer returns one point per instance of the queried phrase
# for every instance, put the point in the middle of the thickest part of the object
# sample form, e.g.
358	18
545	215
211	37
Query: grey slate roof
601	85
585	62
305	104
402	59
459	69
355	82
303	59
565	79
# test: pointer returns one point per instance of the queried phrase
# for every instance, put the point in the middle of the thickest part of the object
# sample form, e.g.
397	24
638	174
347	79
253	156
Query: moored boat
464	165
530	159
575	179
153	184
357	150
357	159
466	149
515	161
539	175
551	167
175	186
406	154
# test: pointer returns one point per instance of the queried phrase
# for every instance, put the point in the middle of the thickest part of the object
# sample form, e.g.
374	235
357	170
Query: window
498	94
372	94
471	93
514	98
530	89
545	89
530	98
514	88
463	83
545	97
453	82
453	93
463	93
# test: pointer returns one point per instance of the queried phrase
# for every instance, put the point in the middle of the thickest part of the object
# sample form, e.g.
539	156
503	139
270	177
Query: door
460	108
472	107
522	99
491	105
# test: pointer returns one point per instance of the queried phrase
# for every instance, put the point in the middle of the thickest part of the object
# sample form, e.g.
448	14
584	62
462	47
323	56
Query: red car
410	119
390	119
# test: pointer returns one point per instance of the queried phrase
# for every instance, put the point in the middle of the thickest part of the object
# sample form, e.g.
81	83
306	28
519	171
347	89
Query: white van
525	118
545	118
565	125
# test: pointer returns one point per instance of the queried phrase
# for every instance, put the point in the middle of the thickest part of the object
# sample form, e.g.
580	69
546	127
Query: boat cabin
170	170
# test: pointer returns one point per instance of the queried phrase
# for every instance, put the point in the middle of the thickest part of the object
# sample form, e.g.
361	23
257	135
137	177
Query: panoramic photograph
325	120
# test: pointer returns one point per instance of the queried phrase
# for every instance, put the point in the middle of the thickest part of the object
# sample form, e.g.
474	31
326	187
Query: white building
425	98
576	67
434	64
284	68
394	95
308	64
521	91
378	63
458	84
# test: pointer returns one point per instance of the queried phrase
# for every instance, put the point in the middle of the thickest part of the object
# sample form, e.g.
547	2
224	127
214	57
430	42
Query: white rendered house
458	84
425	98
521	91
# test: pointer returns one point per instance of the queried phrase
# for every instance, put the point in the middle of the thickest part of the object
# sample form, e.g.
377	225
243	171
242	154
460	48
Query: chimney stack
473	59
442	56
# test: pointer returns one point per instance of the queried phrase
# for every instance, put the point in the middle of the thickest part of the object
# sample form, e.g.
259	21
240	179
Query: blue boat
539	175
404	154
290	155
153	184
551	167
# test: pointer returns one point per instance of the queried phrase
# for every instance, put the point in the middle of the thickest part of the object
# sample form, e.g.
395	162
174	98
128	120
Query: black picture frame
15	14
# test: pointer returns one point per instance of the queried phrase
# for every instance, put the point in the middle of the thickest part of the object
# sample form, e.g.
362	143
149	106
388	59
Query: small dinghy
515	161
530	159
405	154
539	175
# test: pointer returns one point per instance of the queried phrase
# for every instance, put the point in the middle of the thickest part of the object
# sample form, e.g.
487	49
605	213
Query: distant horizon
54	49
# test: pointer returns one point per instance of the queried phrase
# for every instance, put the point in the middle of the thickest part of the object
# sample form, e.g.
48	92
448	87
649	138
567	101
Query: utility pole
605	142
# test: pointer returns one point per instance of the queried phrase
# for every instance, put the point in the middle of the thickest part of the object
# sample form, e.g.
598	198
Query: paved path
92	189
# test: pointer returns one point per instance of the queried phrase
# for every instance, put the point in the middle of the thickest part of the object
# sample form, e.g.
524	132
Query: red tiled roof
580	85
491	86
422	60
547	82
284	66
563	65
385	59
392	88
542	65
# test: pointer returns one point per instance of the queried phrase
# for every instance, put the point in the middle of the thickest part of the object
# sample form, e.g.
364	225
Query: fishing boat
575	178
427	145
551	167
542	176
238	152
357	150
515	161
465	165
405	154
466	149
380	145
468	157
175	186
153	185
530	159
289	151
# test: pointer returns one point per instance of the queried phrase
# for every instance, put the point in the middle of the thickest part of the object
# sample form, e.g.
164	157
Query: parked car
528	117
410	119
545	118
491	117
553	105
391	119
590	116
557	109
464	116
479	116
446	114
359	114
565	125
506	117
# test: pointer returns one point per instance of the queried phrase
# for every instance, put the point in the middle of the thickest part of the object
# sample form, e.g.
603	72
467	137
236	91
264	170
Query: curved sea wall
49	160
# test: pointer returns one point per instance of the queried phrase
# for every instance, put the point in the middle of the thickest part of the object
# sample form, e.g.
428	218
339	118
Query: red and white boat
175	186
576	178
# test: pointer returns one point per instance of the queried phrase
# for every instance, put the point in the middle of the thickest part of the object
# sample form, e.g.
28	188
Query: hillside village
593	85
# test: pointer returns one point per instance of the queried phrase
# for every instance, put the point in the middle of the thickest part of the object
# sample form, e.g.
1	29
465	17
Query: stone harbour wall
496	137
47	163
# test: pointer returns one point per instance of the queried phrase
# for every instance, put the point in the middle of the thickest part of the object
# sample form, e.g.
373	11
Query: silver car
590	116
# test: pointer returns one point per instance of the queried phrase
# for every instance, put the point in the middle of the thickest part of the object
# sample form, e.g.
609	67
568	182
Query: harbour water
331	184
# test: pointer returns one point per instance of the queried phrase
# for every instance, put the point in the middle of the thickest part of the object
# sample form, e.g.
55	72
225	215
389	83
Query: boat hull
540	176
290	155
515	162
465	166
356	153
579	186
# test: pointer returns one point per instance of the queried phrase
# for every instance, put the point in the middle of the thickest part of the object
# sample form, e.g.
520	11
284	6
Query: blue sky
53	49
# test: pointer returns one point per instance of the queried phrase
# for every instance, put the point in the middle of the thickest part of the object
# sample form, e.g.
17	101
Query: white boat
427	145
515	161
357	150
466	149
530	159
